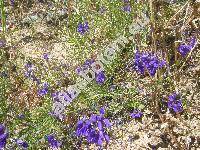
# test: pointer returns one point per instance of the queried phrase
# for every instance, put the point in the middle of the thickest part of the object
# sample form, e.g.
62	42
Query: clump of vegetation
151	84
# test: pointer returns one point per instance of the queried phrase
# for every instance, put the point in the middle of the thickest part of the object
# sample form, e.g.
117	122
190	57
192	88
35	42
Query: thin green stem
3	16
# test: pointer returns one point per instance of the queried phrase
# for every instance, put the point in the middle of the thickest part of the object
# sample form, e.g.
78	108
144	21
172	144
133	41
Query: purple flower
82	28
3	137
46	56
94	128
139	65
184	49
102	111
127	8
175	103
78	70
22	144
28	65
147	61
100	77
88	62
53	142
2	43
152	66
12	2
136	114
21	116
44	90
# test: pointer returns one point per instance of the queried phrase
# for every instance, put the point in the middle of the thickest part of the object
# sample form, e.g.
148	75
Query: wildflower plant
175	103
184	49
94	129
30	88
21	143
53	143
136	114
145	61
83	28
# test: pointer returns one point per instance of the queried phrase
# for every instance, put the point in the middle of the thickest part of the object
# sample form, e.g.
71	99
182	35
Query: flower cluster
136	114
54	144
94	128
184	49
175	103
99	77
44	90
3	137
82	28
21	143
147	61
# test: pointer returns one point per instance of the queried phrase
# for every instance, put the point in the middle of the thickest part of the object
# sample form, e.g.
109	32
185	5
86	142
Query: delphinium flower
175	103
127	8
88	62
2	43
44	90
3	137
12	2
46	56
136	114
100	77
138	64
22	144
184	49
147	61
54	144
83	28
94	129
153	65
